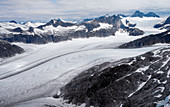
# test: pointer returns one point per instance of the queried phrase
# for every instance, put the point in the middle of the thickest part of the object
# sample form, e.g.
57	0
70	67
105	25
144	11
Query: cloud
67	9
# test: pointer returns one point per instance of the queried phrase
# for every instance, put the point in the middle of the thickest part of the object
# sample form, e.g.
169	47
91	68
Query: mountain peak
141	14
138	14
151	14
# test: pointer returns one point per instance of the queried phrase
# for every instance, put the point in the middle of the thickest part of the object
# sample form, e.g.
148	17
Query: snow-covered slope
43	69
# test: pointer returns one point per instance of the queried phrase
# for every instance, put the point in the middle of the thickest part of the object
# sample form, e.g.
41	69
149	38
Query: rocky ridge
141	81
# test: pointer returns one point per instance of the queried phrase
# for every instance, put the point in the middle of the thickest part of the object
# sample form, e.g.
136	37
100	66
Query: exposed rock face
140	81
135	32
165	25
148	40
31	29
56	23
13	21
141	14
18	29
8	50
130	24
58	30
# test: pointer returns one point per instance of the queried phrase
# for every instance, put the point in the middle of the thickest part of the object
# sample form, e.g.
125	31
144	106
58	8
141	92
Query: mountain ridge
141	14
57	30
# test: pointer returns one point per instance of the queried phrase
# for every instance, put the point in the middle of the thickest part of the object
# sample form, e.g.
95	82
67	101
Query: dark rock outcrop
130	24
9	50
140	81
148	40
18	29
90	26
13	21
135	32
31	29
165	25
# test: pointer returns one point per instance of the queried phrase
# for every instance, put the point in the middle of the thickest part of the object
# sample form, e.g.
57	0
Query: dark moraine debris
140	81
9	50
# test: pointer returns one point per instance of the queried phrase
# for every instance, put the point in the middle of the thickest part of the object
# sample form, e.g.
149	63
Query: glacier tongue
43	69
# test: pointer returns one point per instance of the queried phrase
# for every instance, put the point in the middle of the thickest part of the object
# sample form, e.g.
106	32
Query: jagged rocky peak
57	22
141	14
13	21
9	50
108	19
141	81
164	25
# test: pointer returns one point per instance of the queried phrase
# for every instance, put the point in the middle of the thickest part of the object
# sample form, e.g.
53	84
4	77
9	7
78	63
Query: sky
44	10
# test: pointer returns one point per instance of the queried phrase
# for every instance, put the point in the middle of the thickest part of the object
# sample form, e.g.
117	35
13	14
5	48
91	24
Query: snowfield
32	78
146	23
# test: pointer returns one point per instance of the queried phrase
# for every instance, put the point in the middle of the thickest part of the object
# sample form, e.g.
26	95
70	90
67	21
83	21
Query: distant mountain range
141	14
58	30
163	37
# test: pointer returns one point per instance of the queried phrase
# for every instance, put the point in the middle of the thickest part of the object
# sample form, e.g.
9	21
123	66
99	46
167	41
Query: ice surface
43	69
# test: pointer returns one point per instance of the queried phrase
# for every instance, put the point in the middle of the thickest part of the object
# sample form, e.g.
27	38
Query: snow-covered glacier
32	78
